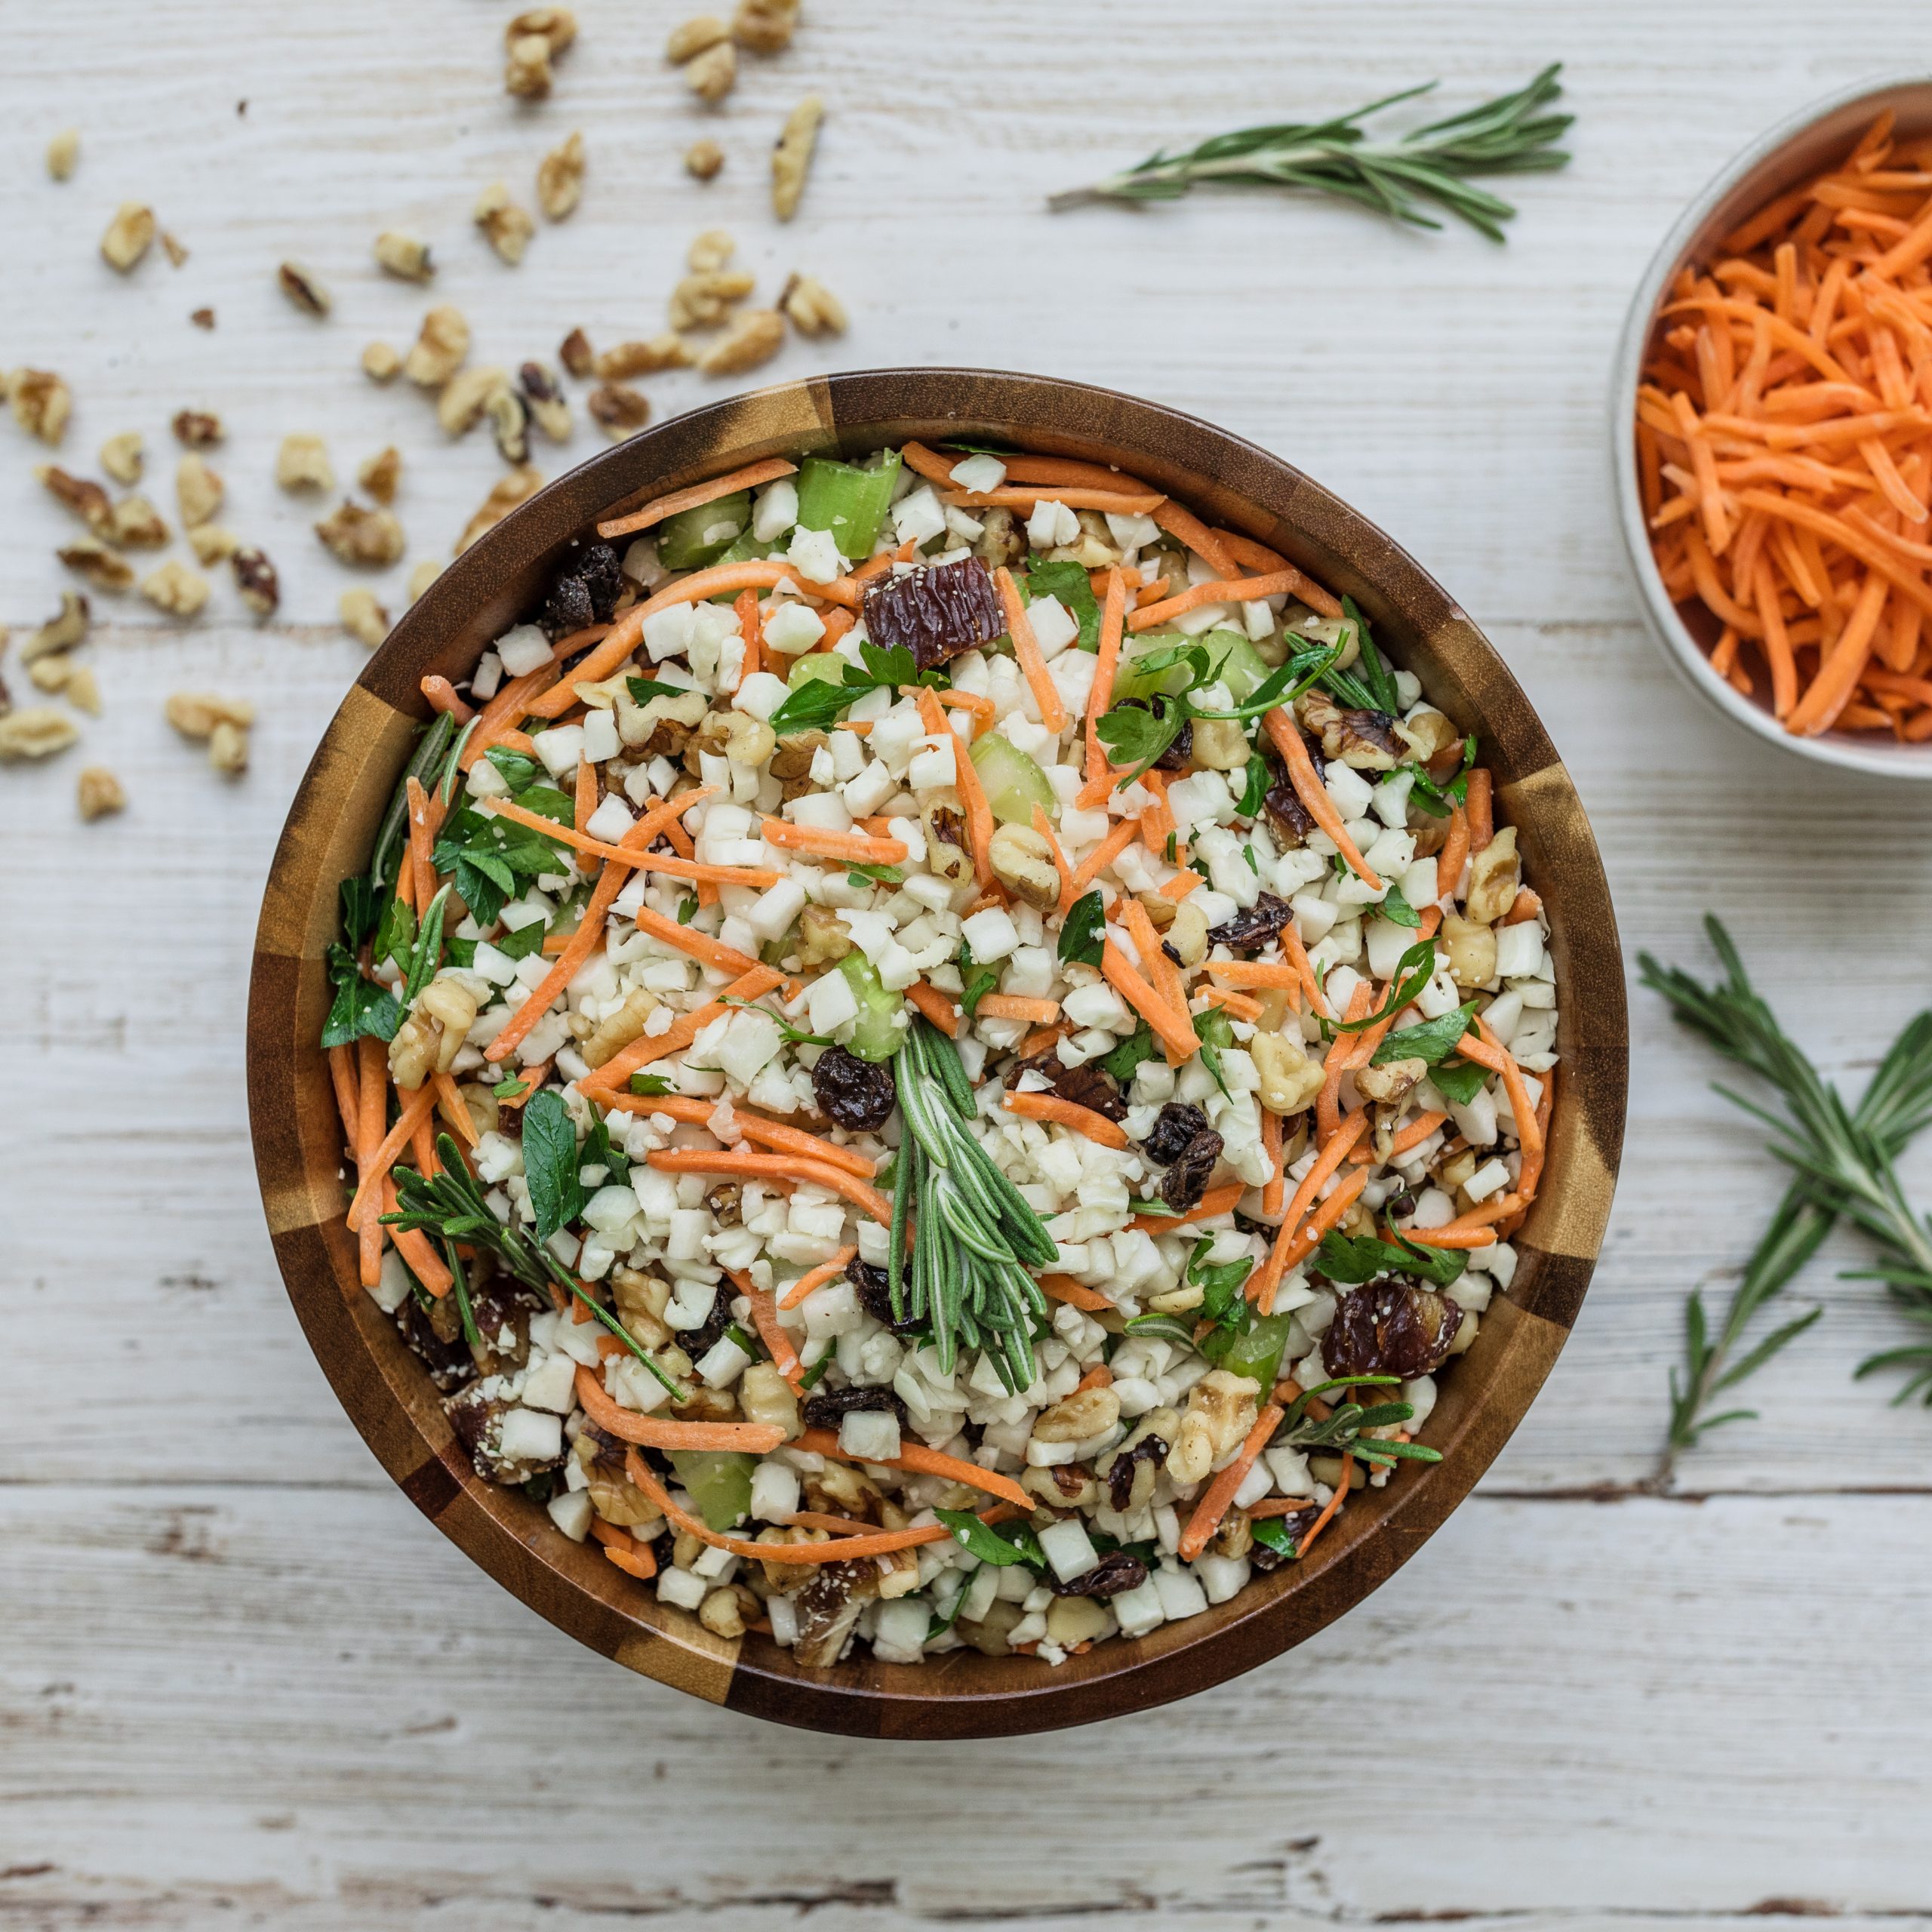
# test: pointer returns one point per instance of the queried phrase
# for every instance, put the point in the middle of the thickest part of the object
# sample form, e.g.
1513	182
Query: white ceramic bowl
1779	158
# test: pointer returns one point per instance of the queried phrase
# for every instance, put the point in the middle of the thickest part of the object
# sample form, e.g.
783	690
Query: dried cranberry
828	1411
1186	1180
1089	1085
1178	1124
1390	1328
1292	820
856	1093
1175	758
935	613
873	1286
1116	1572
1253	926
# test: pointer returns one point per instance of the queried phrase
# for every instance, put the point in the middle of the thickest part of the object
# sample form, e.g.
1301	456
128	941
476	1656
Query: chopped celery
720	1482
816	664
1013	784
695	537
876	1033
1234	662
1256	1352
847	501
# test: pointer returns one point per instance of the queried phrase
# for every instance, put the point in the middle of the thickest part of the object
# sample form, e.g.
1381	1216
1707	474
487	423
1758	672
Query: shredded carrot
441	696
623	1549
1219	590
1221	1200
416	1108
1104	854
1263	1283
1523	908
1286	733
770	1330
1276	1185
1181	884
1026	649
1152	593
1115	503
1341	1057
532	1078
1402	1142
450	1105
1343	1476
1220	1493
1487	1050
877	566
751	632
984	711
1154	963
972	793
1477	1228
755	1438
1481	817
939	1007
698	946
1332	1212
1075	1294
1170	1026
424	1263
1280	1505
1239	1004
641	860
771	1133
1187	529
856	848
817	1278
658	508
1016	1006
422	871
1066	1113
1070	470
837	1180
347	1099
916	1457
1255	972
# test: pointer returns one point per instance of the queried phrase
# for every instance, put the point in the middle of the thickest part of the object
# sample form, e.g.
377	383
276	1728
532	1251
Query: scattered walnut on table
212	542
464	396
175	589
702	159
35	731
440	348
41	403
174	248
100	566
302	289
81	494
791	158
644	357
505	494
704	300
359	535
560	179
62	151
509	423
99	793
404	257
380	363
756	337
302	462
220	723
136	525
618	410
812	308
362	617
710	251
380	475
255	580
765	27
121	456
712	75
532	41
506	226
198	429
197	489
421	576
202	319
59	633
129	235
693	36
576	355
545	402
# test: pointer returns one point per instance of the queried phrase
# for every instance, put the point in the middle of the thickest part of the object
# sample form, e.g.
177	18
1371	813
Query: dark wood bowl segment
297	1135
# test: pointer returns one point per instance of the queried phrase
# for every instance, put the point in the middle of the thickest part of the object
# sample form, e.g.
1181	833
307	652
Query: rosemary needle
1400	178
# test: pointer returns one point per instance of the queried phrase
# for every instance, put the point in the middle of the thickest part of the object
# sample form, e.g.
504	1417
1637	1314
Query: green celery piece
848	501
686	542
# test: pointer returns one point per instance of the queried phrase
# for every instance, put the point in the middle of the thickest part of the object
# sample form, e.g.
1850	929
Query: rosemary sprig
1842	1160
1510	135
976	1237
1340	1432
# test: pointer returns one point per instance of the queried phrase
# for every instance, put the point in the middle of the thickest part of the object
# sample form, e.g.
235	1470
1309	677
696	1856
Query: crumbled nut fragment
560	179
556	25
526	70
195	714
175	589
37	731
506	227
545	402
710	251
303	464
358	536
644	359
756	337
509	424
363	618
53	673
702	159
440	347
202	319
41	403
404	257
228	749
703	301
813	309
59	634
380	363
463	399
575	354
712	75
421	576
100	793
256	581
619	409
129	235
792	157
62	151
212	542
136	524
99	565
508	491
697	34
197	489
121	456
765	27
379	476
81	494
302	289
173	249
83	694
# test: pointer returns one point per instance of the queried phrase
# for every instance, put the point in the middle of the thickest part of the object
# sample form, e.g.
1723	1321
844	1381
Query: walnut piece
99	565
197	428
228	749
704	301
464	396
791	158
174	248
358	536
129	235
756	337
643	358
712	75
506	227
62	151
363	618
702	159
212	542
82	495
83	694
99	793
576	355
220	723
136	525
51	673
121	456
380	363
508	491
813	309
527	68
765	27
60	633
41	403
197	489
404	257
618	410
256	581
302	289
303	464
710	251
175	589
202	319
544	400
37	731
509	424
379	476
703	31
440	348
560	179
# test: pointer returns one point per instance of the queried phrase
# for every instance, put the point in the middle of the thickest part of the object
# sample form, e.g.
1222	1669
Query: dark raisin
1121	1470
697	1343
1253	926
1175	758
568	609
1290	819
603	576
1390	1328
827	1409
873	1287
1186	1180
856	1093
935	613
586	591
1176	1125
1115	1572
1297	1525
449	1361
1088	1085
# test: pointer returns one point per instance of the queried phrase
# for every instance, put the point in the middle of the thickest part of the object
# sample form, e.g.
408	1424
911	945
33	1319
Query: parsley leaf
550	1163
687	910
1069	582
644	689
361	908
1214	1030
1414	972
1000	1546
792	1035
395	936
819	702
1123	1059
509	1089
518	770
600	1151
859	874
1261	776
1433	1041
523	941
1272	1533
650	1084
1459	1083
485	856
977	981
361	1007
1081	937
1351	1260
1397	909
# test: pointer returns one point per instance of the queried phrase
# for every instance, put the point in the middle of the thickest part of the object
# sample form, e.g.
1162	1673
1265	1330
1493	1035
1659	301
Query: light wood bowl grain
297	1137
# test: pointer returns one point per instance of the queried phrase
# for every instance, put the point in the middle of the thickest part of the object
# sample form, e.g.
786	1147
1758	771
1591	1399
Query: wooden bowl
297	1137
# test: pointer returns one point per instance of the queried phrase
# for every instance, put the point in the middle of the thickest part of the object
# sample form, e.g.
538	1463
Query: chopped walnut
506	227
197	428
440	348
710	251
358	536
59	634
212	542
99	565
527	67
576	355
379	476
174	248
421	576
765	27
303	464
545	402
756	337
129	235
620	411
704	30
813	309
644	359
560	179
363	618
228	749
712	75
136	525
463	399
380	363
197	489
121	456
100	793
256	581
62	151
404	257
302	289
792	157
203	718
702	159
37	731
41	403
508	491
175	589
703	301
202	319
81	494
52	673
83	694
509	424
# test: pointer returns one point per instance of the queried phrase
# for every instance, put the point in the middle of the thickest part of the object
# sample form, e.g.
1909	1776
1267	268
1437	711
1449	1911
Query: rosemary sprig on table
1510	135
1842	1160
976	1236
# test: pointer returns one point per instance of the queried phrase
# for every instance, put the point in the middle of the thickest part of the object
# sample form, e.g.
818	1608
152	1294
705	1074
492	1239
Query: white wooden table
241	1680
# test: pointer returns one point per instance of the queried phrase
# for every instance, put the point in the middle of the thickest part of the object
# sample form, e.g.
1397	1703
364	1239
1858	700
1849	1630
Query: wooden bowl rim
296	1138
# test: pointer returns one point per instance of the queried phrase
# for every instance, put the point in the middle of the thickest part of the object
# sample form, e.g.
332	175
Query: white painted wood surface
241	1680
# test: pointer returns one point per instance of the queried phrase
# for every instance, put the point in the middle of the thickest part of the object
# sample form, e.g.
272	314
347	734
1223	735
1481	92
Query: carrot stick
1104	854
917	1458
1220	1493
1075	1294
745	608
937	1007
755	1438
1276	1185
1487	1050
855	846
1117	502
1262	1284
770	1330
1188	530
1413	1135
623	1549
1838	675
1066	1113
1219	590
1135	989
1286	733
1016	1006
441	696
1026	649
1239	1004
771	1133
698	946
1161	969
1329	1509
1216	1201
494	721
1024	469
702	1161
416	1109
425	1263
817	1278
1181	884
1341	1057
972	793
658	508
611	1076
984	712
347	1099
450	1105
1477	802
1326	1216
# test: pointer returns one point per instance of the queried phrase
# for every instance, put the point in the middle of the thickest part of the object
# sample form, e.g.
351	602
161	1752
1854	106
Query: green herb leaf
395	935
509	1089
1458	1082
1138	1047
1375	675
524	942
361	1008
976	980
1272	1533
860	874
1260	778
550	1163
1214	1030
1414	972
518	770
1069	582
999	1544
790	1034
1082	935
651	1084
599	1151
644	689
1433	1041
1398	911
1351	1259
687	910
361	908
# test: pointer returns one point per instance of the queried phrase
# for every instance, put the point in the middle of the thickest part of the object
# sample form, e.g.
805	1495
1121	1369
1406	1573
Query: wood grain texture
1653	1766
